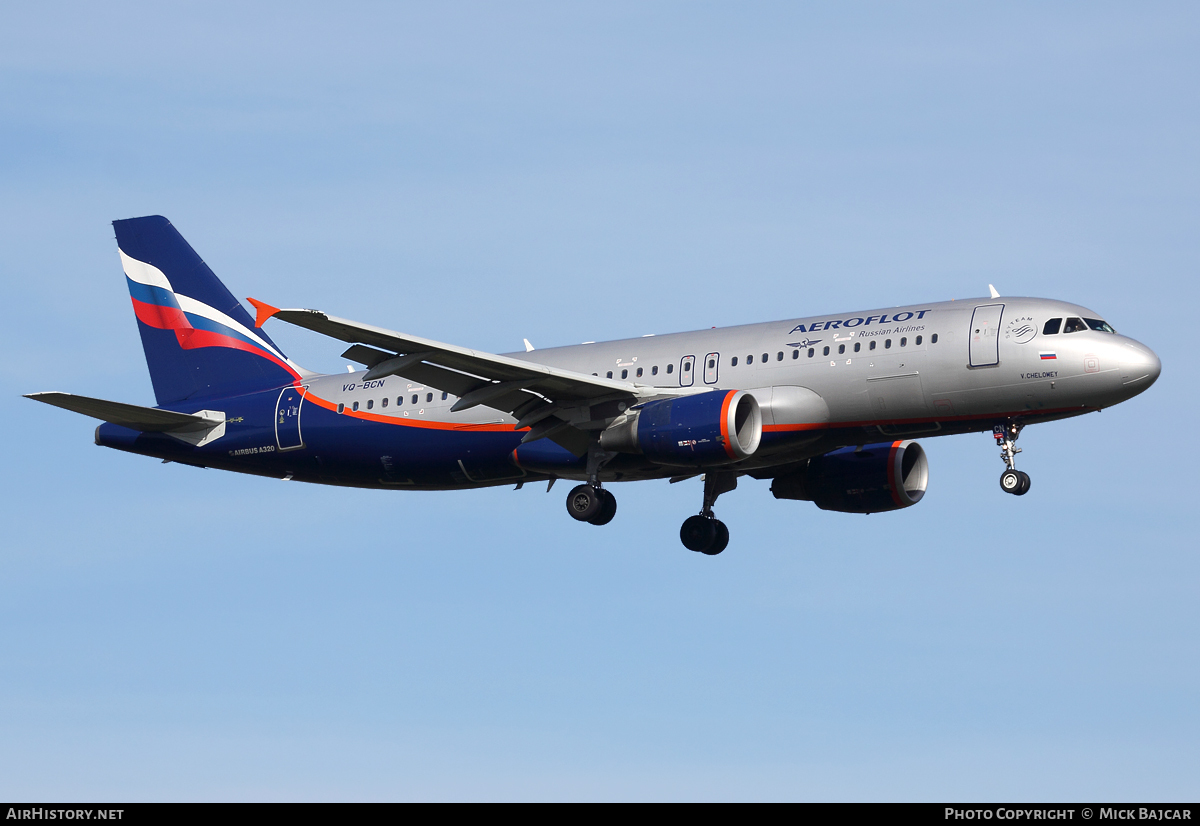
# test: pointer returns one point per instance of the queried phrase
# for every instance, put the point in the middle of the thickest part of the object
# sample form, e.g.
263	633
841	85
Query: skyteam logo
1020	330
194	323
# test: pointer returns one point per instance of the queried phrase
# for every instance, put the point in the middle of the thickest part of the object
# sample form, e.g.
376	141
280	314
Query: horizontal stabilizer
135	417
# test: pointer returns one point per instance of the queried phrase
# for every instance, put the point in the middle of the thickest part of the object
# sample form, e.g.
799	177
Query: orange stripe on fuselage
490	427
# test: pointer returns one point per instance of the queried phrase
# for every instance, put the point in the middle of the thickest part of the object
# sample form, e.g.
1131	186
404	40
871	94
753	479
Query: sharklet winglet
263	310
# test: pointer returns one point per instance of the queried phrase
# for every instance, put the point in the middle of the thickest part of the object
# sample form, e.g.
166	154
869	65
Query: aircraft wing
539	396
135	417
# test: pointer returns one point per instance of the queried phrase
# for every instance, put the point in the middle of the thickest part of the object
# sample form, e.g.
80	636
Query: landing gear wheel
608	508
585	502
720	541
1015	482
1010	482
698	533
704	534
1025	482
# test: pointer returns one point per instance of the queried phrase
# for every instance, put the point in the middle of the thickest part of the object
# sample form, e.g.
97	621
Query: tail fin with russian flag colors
199	340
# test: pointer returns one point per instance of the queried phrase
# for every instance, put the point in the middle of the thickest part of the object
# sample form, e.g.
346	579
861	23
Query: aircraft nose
1140	367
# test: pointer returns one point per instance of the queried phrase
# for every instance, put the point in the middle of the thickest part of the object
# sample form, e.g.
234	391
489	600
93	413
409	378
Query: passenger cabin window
779	356
341	408
1052	327
1074	325
639	372
933	339
841	349
918	341
873	343
608	374
654	370
355	407
733	362
384	402
825	351
795	355
624	374
415	397
766	357
749	359
370	403
904	342
428	397
1098	325
445	394
670	369
887	345
812	351
857	346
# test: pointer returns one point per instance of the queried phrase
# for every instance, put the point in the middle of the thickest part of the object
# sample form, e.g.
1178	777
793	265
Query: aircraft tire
608	508
1010	482
1025	483
698	533
584	503
720	540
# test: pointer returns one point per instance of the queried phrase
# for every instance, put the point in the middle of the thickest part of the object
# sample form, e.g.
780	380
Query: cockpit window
1052	327
1098	325
1074	325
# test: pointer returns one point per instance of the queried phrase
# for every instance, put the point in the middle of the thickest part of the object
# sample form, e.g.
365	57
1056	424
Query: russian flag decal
1048	356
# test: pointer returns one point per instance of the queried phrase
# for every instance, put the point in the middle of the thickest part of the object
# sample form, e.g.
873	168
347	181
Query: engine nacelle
713	428
868	479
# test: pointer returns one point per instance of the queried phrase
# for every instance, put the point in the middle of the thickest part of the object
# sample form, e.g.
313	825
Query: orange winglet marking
264	309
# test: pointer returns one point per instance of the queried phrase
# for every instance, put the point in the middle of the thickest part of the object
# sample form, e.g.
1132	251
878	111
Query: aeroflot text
847	323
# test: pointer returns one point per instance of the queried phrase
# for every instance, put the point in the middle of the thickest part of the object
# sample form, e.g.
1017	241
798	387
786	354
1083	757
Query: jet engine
868	479
713	428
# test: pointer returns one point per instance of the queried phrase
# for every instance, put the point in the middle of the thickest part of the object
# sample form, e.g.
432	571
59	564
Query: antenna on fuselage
992	290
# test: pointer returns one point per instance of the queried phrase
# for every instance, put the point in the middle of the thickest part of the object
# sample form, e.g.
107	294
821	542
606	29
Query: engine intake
713	428
868	479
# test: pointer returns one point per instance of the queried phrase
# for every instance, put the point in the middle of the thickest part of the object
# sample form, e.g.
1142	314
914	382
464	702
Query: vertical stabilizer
199	340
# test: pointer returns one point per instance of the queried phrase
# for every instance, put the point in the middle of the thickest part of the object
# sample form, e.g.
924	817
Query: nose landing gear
1012	480
704	532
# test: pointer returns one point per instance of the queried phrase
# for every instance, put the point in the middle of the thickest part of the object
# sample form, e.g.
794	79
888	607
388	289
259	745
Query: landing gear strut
704	532
1012	480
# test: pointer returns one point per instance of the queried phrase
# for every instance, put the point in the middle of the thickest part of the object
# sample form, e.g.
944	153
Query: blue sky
483	173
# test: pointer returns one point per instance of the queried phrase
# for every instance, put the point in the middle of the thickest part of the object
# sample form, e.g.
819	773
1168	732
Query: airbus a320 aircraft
823	406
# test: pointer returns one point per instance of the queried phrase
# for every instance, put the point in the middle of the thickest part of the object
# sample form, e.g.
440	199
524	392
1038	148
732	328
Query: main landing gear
591	504
1012	480
704	532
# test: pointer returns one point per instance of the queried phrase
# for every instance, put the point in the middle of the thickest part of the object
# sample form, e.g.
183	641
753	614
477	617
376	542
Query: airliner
827	407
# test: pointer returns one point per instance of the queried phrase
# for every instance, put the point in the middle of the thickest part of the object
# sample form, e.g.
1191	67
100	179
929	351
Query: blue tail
199	340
